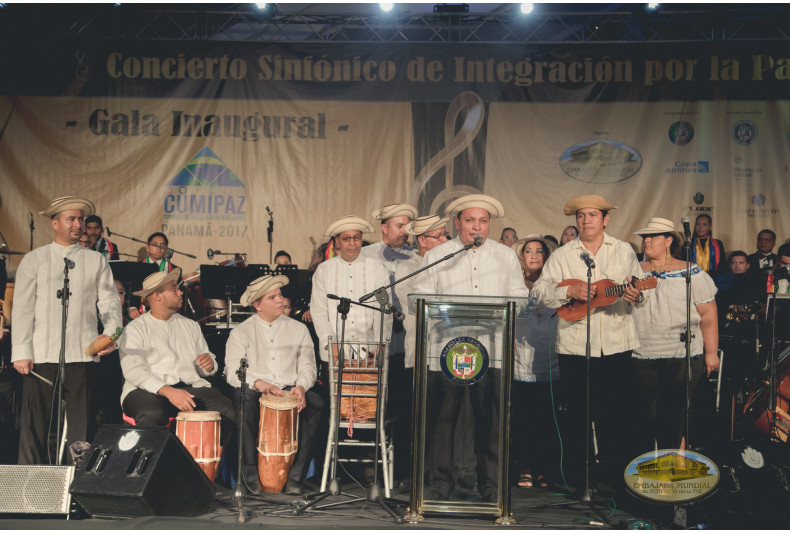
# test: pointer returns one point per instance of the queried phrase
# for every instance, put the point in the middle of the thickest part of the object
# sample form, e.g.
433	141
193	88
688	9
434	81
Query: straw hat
422	225
657	225
518	246
589	201
346	223
261	286
65	203
482	201
157	280
395	210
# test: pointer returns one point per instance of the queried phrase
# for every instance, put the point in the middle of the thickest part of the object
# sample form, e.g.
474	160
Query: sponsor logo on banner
681	132
758	199
600	161
699	198
689	167
760	210
672	476
205	198
740	172
464	360
744	132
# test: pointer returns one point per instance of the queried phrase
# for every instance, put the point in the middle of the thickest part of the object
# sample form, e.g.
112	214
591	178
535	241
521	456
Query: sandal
525	481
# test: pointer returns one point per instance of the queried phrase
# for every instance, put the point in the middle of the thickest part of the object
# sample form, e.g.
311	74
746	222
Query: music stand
222	283
132	274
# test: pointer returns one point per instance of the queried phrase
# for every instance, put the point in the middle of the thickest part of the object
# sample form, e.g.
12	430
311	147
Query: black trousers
534	433
662	399
485	406
309	420
150	409
36	416
400	391
611	400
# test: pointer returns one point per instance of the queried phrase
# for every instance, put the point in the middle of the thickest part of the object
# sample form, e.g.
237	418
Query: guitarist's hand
578	292
631	293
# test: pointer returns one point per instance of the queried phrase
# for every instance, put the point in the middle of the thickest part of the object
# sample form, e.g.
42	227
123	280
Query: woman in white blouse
659	362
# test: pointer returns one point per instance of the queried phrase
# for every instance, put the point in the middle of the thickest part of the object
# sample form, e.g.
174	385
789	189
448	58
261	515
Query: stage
533	508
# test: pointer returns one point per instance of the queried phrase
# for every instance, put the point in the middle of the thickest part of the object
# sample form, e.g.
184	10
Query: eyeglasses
445	235
355	238
509	238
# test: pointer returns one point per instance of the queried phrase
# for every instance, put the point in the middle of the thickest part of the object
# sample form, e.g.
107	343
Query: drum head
199	416
288	401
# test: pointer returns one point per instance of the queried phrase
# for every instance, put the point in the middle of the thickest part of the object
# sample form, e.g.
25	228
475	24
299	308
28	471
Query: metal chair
359	408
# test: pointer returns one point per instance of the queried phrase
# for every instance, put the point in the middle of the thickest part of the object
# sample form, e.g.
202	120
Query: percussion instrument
277	440
205	310
756	409
199	431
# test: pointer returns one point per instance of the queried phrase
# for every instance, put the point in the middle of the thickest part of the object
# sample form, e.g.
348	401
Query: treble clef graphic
455	143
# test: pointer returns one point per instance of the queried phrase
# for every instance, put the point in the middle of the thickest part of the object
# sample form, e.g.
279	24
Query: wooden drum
199	431
277	440
358	401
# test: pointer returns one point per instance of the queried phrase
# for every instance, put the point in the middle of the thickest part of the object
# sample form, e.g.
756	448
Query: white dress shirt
37	311
490	270
348	280
535	359
611	328
155	353
280	352
402	291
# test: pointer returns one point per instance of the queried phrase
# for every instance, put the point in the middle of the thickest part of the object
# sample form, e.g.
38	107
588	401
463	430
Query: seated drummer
279	352
165	360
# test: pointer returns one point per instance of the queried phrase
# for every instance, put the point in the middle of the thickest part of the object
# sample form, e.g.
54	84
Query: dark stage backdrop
198	139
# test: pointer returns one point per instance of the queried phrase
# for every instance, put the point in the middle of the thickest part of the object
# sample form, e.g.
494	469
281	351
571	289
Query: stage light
653	6
261	5
386	6
265	10
527	8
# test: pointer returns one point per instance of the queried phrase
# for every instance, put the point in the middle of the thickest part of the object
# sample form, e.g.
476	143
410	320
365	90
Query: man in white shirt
487	269
347	275
612	332
165	361
37	318
281	360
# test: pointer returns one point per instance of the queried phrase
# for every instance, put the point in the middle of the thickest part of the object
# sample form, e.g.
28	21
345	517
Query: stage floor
533	508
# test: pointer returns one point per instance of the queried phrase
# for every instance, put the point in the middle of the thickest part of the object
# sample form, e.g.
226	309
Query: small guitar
607	292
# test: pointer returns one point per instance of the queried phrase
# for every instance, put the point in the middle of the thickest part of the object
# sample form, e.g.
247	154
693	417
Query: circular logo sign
744	132
681	132
464	360
600	161
672	476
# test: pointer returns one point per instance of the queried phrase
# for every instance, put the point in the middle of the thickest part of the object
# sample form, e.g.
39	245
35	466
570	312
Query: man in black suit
763	258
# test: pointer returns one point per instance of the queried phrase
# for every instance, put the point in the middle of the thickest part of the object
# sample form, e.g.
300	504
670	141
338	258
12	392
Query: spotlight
653	6
261	5
386	6
527	8
265	10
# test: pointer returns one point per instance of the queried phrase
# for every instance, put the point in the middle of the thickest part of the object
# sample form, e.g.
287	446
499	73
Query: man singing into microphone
37	317
279	352
486	268
612	332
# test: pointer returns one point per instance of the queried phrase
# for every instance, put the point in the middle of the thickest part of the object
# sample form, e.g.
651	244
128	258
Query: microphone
210	253
333	297
478	240
587	260
168	253
269	211
686	228
69	263
109	234
243	362
30	220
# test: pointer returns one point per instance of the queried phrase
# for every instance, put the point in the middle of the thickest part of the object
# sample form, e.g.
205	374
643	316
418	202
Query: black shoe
293	488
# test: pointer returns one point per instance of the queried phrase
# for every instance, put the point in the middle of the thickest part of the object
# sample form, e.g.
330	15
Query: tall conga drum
277	440
199	431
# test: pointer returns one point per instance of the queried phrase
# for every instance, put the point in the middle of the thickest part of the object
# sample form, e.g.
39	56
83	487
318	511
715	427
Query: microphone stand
269	232
370	295
686	337
240	493
772	387
32	228
586	497
111	233
63	294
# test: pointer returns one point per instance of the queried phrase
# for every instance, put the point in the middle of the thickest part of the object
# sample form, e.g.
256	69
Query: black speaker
140	471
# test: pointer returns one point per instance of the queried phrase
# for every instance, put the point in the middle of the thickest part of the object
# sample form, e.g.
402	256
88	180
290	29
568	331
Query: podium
464	346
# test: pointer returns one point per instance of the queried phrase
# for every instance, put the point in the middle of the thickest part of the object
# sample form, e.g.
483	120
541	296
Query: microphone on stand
30	221
587	260
109	233
478	240
168	253
210	253
686	228
69	263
